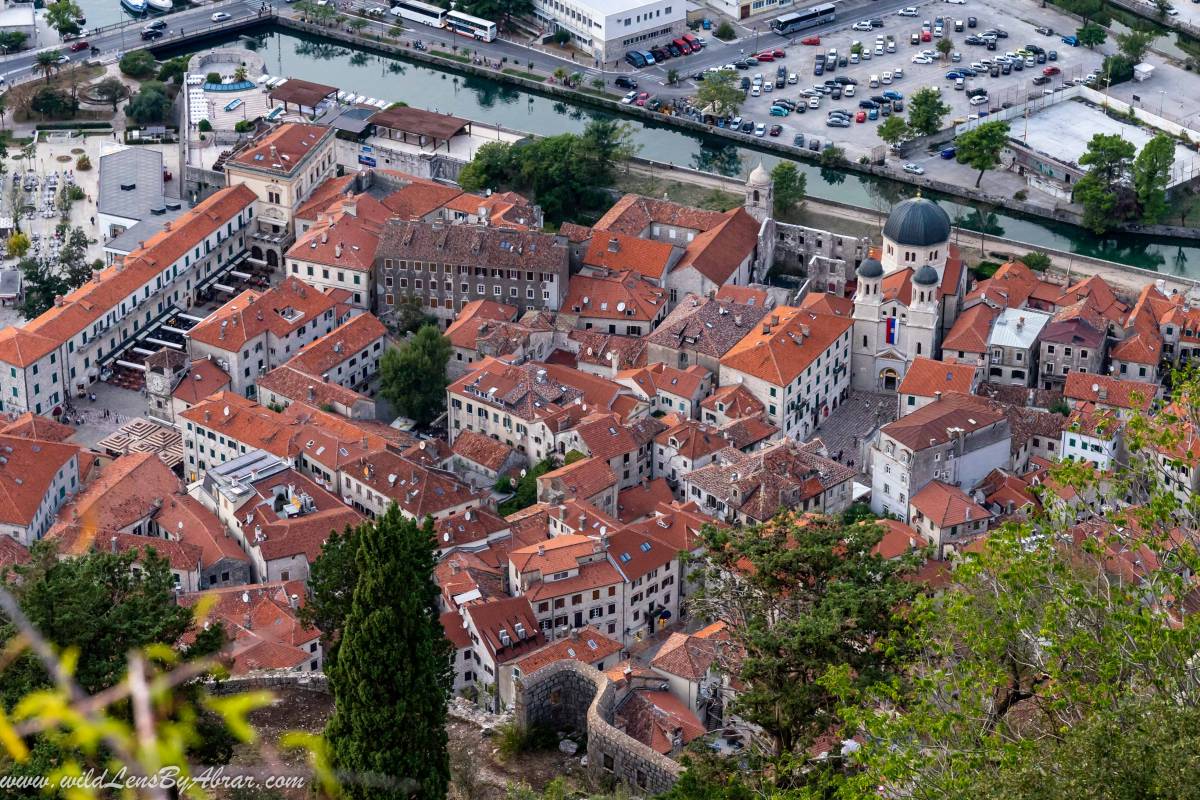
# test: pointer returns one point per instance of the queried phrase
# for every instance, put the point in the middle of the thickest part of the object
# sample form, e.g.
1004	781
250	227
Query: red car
766	56
778	53
775	130
80	45
1051	71
860	116
811	40
641	99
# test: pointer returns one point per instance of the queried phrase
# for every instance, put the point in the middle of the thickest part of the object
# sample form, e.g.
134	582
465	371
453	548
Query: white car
908	11
979	100
848	91
220	16
914	169
898	73
854	59
755	91
957	2
793	79
629	98
814	102
760	130
920	59
865	25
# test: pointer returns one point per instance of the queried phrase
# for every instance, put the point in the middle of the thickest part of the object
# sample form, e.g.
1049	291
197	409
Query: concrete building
131	190
36	478
1074	341
607	29
1014	346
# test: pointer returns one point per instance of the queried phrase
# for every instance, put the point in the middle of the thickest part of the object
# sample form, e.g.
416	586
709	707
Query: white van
887	77
874	81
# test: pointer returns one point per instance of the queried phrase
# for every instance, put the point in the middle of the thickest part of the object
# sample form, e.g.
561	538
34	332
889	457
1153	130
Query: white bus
424	13
466	25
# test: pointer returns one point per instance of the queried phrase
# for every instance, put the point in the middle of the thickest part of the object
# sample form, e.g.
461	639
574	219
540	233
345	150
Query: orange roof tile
474	316
587	645
640	501
947	505
971	330
789	340
624	296
280	310
282	149
618	252
1109	391
129	489
203	379
926	376
31	426
897	539
27	475
734	401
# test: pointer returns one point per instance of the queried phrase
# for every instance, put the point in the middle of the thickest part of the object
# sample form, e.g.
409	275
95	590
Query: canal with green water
493	103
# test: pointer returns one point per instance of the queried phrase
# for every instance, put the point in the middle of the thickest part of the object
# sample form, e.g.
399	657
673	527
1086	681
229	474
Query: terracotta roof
76	539
745	295
284	537
281	310
203	379
583	479
96	298
1110	391
635	554
421	198
465	245
587	645
467	527
129	489
1097	295
31	426
533	390
419	121
455	630
619	252
828	303
931	424
658	377
559	554
266	631
294	384
736	401
474	317
640	501
591	576
417	489
12	552
686	656
324	194
185	519
708	326
778	352
497	620
301	92
282	149
23	348
27	475
747	431
633	214
653	718
926	376
971	330
717	253
342	343
1013	285
675	526
897	539
621	296
482	450
945	505
594	347
345	236
575	233
692	439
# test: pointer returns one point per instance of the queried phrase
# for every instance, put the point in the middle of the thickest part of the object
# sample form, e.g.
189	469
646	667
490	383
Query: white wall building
611	28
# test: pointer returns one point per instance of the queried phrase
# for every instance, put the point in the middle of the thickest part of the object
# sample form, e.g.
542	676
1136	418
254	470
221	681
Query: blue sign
368	149
366	161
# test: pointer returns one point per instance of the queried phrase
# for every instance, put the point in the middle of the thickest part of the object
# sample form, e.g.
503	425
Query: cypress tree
391	680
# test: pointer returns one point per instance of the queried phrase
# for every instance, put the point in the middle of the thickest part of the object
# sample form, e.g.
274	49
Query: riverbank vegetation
565	174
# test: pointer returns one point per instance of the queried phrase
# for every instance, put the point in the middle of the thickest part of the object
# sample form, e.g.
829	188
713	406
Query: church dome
917	222
870	268
926	276
759	176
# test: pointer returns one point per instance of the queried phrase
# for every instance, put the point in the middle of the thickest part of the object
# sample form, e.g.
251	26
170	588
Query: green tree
46	62
392	679
1099	203
672	76
894	130
501	10
40	286
833	157
331	582
12	40
491	167
17	245
807	594
980	147
560	37
149	105
413	376
1133	45
525	491
1151	172
944	47
52	103
63	16
1036	260
111	90
138	64
173	70
1161	7
790	187
1091	35
239	74
607	142
926	110
719	91
1108	158
725	31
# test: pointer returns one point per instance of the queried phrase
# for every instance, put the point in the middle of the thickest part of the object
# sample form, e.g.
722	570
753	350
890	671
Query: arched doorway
272	259
889	379
256	253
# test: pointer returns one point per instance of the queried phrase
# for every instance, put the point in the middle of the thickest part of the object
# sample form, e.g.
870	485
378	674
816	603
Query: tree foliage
801	594
1151	172
138	64
173	70
1108	158
331	582
149	105
46	62
565	173
1134	44
63	16
926	110
894	130
392	679
720	91
980	147
790	187
1091	35
413	376
525	493
111	90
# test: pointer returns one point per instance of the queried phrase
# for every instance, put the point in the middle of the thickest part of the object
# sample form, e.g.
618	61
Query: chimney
937	396
113	544
582	521
274	154
766	328
312	393
541	550
246	623
1103	393
324	237
294	602
1020	323
613	245
337	250
167	225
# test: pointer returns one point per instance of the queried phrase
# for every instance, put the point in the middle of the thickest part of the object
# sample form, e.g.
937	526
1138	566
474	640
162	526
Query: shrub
243	126
1036	261
213	77
83	163
75	193
512	739
1021	195
138	64
205	126
725	32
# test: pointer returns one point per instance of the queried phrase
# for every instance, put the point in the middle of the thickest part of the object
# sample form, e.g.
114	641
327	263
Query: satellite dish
1095	387
585	300
621	306
445	537
739	378
522	472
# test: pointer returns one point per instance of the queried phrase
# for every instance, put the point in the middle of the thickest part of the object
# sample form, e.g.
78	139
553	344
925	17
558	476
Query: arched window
756	195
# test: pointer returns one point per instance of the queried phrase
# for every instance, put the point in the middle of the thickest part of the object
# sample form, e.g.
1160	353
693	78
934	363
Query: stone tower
760	194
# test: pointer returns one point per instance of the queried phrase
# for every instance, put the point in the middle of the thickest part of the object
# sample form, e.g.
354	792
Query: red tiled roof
828	303
619	252
502	615
252	313
778	352
926	376
945	505
185	519
274	638
282	149
621	296
27	475
587	645
931	423
203	379
481	449
737	401
474	316
640	501
31	426
583	479
897	540
127	490
1109	391
653	717
971	330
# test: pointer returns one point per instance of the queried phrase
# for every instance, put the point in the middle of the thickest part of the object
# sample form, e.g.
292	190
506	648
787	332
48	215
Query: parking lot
890	50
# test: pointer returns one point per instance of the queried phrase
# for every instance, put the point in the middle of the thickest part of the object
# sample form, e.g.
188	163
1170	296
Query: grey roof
350	120
127	241
1018	328
926	276
10	282
131	183
917	222
870	268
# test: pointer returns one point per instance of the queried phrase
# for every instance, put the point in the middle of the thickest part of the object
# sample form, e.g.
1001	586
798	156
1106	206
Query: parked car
1051	71
625	82
778	111
1071	40
1052	55
641	99
837	122
862	25
914	169
149	35
775	130
1040	80
948	153
760	130
907	11
629	98
972	22
811	40
747	126
860	116
798	140
79	45
979	100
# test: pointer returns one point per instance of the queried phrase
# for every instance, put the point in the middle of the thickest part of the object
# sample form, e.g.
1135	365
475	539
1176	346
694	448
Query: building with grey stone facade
1073	341
700	330
447	266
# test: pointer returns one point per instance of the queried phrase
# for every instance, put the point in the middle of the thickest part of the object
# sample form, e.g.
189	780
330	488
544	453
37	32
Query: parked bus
424	13
801	20
466	25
